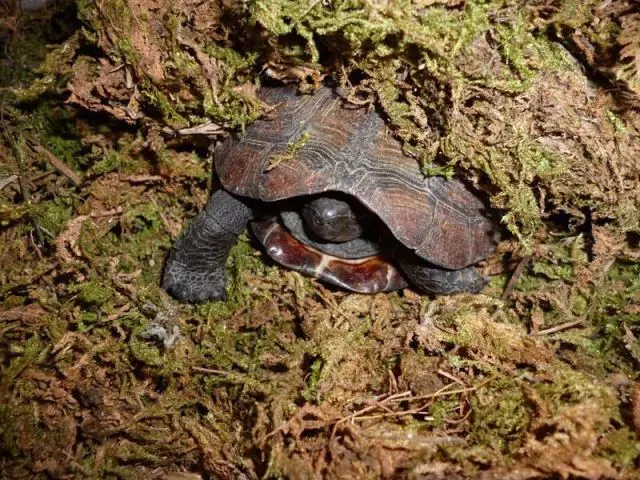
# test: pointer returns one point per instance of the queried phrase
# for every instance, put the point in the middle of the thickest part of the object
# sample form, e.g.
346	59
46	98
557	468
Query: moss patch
288	378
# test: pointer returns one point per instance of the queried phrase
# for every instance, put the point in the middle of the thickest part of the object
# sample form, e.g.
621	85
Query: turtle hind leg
194	271
432	279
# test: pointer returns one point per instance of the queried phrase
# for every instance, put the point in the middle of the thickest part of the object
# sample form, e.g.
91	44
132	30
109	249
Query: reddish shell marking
364	275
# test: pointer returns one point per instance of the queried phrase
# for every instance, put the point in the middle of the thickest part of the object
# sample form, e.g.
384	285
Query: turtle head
334	219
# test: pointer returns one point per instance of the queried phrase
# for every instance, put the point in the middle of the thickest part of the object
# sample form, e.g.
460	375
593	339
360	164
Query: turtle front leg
195	269
432	279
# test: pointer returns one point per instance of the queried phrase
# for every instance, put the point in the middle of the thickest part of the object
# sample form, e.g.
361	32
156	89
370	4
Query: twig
450	377
562	326
4	181
440	393
459	421
58	164
395	414
135	179
24	191
382	403
402	397
515	276
377	404
211	370
208	128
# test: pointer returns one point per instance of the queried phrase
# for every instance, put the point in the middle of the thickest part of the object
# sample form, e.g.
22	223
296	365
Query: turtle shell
328	145
371	274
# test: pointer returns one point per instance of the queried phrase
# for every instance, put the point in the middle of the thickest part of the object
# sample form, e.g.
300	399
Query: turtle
328	191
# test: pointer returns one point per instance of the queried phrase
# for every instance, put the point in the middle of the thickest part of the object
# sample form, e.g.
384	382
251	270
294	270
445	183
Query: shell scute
350	150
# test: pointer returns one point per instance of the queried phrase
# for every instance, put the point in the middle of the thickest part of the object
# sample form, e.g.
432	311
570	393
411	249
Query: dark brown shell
350	150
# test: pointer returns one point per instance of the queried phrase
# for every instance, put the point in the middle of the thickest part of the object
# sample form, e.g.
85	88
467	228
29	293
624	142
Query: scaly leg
432	279
195	269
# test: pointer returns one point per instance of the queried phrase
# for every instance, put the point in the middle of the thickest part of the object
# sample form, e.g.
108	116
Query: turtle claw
186	285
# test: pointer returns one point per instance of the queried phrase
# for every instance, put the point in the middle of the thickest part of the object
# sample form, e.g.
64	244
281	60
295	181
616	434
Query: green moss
7	427
127	51
95	298
242	259
613	314
500	415
560	261
232	61
579	304
449	32
344	361
53	215
622	447
433	170
570	387
116	13
182	65
87	320
311	391
132	452
292	150
36	67
143	350
10	213
166	109
142	226
233	108
626	215
553	272
526	54
138	243
112	161
523	218
93	293
236	359
616	121
441	410
471	332
514	171
20	423
289	16
575	14
25	355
